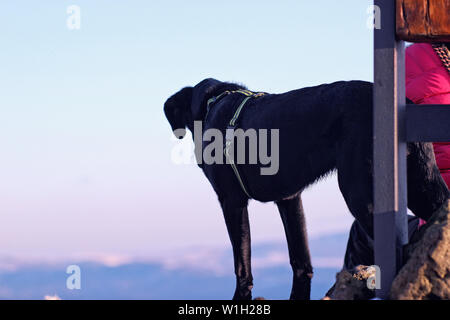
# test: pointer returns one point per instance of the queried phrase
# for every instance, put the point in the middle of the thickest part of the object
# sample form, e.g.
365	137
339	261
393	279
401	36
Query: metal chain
444	54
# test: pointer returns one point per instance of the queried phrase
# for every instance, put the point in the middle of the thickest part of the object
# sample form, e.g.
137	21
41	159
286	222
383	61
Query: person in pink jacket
427	82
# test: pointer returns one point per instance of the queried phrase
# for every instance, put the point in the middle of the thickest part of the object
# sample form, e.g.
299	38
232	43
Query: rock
352	285
426	274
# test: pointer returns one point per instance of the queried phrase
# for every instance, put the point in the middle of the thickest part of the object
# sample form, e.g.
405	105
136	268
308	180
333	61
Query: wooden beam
423	20
428	123
389	149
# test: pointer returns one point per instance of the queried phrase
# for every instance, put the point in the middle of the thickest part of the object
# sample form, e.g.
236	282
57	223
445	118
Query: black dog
321	128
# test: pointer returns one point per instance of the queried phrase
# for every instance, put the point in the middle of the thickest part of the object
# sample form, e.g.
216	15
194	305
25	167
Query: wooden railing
395	123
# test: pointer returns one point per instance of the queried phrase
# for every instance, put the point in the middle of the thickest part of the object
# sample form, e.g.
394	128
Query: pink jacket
428	82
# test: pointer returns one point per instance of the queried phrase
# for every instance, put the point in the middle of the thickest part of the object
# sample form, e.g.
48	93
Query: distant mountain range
189	275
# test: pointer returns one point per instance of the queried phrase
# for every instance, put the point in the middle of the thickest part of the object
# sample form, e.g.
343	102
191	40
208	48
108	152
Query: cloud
109	260
220	262
211	260
327	262
217	260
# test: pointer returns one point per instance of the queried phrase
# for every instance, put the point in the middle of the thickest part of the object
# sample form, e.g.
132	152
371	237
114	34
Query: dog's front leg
236	219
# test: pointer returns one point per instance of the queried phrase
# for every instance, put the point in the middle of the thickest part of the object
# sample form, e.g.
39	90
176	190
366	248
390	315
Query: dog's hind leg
427	191
355	177
355	182
292	215
236	219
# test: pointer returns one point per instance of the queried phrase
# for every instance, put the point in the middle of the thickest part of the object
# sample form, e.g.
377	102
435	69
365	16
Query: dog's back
311	121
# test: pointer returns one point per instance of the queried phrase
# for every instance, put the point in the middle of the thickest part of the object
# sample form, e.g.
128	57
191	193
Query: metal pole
389	149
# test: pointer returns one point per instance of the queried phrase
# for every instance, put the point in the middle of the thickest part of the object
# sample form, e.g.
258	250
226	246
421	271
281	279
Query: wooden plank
423	20
389	154
428	123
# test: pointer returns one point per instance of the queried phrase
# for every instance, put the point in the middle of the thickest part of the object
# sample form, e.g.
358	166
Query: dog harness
229	136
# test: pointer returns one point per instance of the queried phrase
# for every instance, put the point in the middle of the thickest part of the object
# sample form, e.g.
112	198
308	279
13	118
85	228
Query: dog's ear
200	96
177	108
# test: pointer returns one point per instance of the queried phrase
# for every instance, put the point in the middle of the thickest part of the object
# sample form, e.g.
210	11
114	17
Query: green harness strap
229	137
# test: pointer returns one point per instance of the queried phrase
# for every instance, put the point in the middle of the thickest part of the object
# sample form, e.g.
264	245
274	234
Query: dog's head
188	105
176	110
